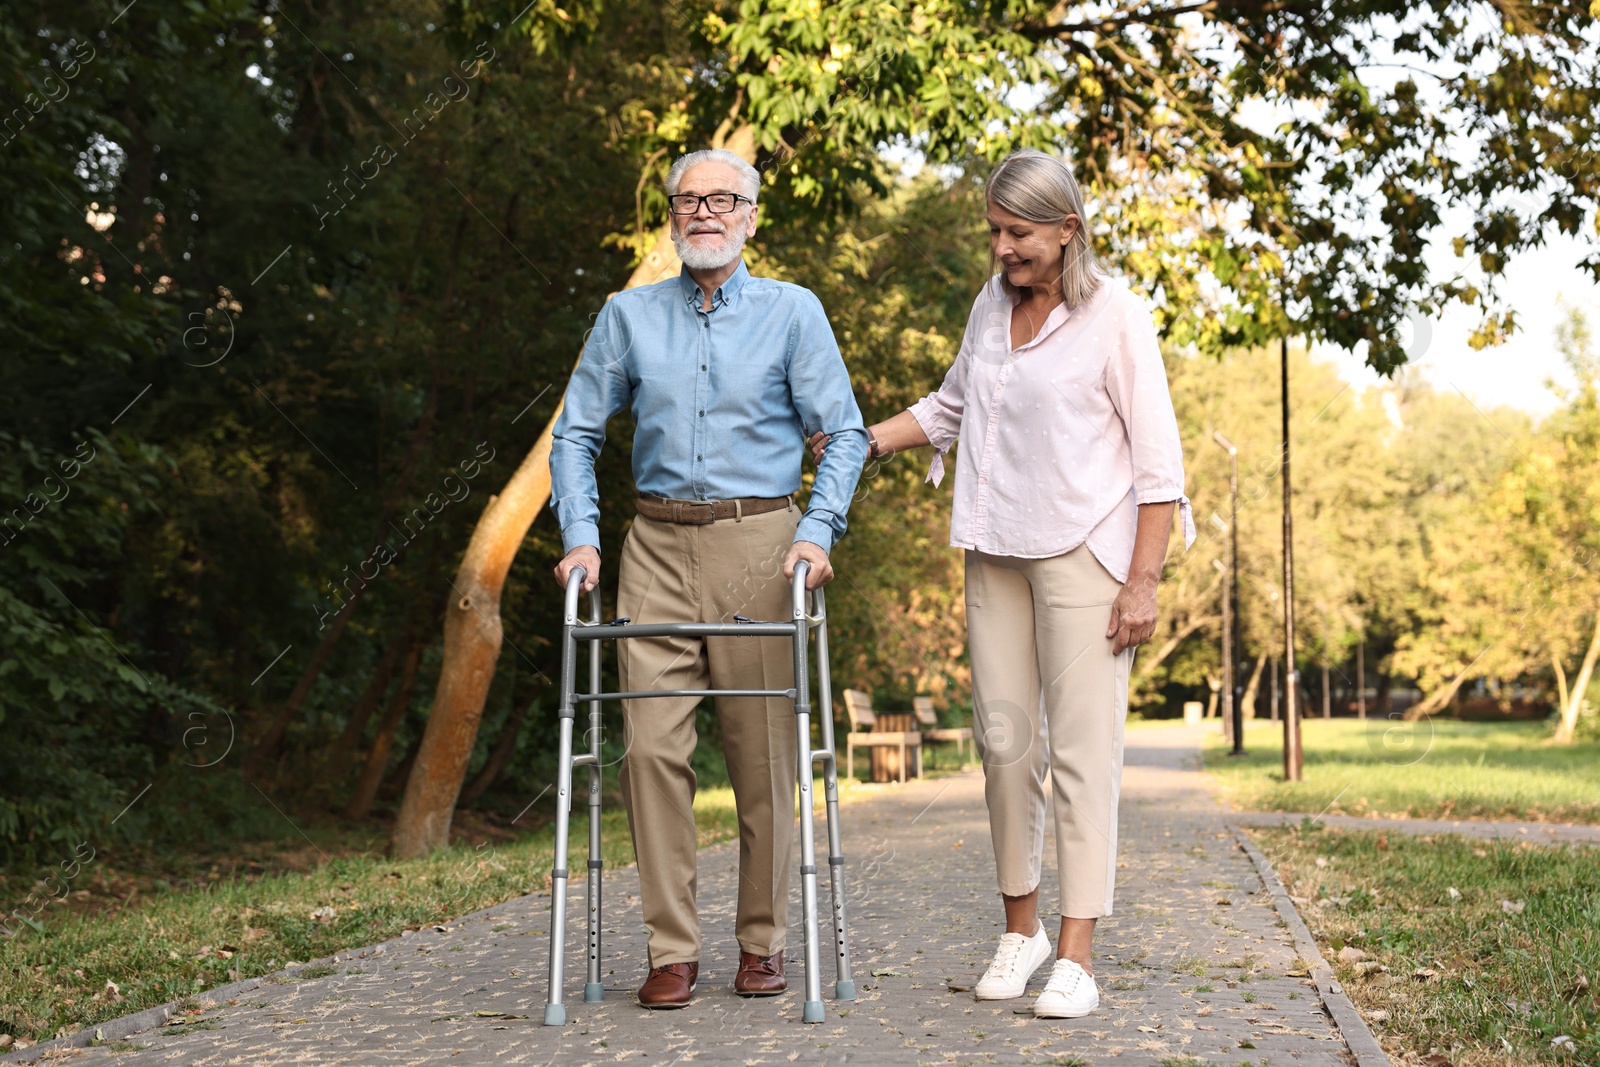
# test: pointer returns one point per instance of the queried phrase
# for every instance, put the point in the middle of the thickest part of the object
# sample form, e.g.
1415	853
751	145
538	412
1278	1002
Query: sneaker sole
1063	1014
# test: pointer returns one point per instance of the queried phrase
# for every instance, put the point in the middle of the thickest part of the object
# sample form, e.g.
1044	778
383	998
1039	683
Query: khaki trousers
1048	695
709	573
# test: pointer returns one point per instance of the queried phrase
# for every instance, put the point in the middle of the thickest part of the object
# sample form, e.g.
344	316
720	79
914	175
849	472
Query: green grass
54	980
1443	769
1464	975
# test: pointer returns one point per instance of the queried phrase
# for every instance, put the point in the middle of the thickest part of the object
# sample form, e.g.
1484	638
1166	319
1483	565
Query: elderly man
725	374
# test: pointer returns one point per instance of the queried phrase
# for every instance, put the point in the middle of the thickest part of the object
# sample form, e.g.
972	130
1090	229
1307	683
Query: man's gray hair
749	177
1039	187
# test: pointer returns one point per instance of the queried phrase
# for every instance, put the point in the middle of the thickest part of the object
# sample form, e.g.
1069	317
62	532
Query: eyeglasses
719	203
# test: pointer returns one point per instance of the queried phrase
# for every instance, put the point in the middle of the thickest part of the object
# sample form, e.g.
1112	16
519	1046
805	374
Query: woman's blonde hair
1039	187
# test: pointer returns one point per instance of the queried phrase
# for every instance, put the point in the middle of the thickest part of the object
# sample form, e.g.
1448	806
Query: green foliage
56	976
1439	769
1484	947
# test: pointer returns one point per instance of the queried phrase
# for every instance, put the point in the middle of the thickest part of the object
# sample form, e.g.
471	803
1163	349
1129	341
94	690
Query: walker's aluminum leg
812	1012
593	989
844	986
555	1013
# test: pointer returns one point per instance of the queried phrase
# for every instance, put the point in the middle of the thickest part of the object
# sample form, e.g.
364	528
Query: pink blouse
1062	438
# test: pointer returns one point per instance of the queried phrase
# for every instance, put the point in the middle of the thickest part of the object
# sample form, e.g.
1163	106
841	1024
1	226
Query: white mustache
705	227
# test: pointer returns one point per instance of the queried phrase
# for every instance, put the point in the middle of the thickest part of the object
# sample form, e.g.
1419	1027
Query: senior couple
1064	494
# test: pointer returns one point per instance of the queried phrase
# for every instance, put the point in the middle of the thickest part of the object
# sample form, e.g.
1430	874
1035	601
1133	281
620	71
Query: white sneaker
1014	963
1069	994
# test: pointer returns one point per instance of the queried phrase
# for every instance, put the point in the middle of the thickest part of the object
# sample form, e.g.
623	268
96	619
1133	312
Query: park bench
932	731
865	731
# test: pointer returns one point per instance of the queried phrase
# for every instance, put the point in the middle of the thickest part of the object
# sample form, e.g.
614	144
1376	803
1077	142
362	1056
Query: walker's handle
802	569
574	588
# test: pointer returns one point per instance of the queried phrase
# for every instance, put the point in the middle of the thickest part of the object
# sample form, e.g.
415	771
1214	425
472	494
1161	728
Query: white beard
714	258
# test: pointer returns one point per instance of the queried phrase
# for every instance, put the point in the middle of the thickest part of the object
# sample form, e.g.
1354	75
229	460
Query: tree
1149	99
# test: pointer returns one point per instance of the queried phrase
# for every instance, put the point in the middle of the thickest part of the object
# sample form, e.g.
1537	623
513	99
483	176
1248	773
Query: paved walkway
1193	968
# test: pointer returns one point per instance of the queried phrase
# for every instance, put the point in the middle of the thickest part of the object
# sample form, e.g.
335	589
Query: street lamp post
1232	709
1293	758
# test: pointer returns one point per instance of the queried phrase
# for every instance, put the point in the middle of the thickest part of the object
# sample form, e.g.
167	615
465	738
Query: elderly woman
1068	475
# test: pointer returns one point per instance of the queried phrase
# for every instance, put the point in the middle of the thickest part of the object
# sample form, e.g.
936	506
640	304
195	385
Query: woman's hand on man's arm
895	434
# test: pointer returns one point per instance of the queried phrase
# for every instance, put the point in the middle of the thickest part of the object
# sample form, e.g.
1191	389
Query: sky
1514	373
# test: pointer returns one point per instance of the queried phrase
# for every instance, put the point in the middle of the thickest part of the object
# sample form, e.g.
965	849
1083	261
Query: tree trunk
1580	685
1250	690
1561	681
1149	659
472	621
1437	699
500	755
267	747
378	756
366	704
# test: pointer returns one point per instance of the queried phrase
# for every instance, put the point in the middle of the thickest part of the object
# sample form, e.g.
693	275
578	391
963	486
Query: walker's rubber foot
813	1013
845	990
594	992
555	1015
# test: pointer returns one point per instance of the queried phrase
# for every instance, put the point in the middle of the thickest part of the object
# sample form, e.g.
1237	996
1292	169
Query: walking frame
798	630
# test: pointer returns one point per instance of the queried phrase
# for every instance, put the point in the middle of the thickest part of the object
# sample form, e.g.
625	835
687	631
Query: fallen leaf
254	933
1435	1059
1321	862
1383	841
1351	954
888	972
1513	907
1562	1041
1377	1015
1453	893
1149	1029
1422	974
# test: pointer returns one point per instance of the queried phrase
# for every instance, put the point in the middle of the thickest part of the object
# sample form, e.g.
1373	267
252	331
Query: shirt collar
723	293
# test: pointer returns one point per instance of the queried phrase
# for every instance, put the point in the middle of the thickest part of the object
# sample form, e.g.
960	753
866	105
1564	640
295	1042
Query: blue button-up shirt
722	402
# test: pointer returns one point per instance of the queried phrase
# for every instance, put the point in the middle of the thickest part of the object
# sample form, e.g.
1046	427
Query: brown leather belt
701	512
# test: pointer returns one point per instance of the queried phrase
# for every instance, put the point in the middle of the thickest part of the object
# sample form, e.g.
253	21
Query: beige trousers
709	573
1049	695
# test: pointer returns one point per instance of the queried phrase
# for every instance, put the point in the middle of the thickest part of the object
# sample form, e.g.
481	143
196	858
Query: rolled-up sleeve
1136	379
597	390
819	386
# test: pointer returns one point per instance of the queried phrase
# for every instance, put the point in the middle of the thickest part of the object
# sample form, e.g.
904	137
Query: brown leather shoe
671	986
760	976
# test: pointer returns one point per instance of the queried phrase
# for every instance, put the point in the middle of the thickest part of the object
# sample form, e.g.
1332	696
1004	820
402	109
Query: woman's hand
819	444
1133	614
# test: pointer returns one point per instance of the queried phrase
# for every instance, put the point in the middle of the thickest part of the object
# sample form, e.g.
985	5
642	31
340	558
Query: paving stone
1193	968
